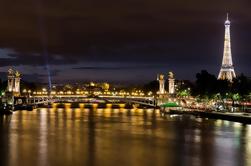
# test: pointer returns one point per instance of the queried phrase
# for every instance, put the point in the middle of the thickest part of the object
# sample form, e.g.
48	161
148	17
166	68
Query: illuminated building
227	68
105	86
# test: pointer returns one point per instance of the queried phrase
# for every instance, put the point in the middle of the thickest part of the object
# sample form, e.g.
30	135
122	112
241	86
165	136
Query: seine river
120	137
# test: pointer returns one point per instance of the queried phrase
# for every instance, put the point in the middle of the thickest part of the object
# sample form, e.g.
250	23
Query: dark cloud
35	59
119	67
33	76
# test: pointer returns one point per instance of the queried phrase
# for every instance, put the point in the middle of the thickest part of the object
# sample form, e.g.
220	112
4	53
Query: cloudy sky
121	41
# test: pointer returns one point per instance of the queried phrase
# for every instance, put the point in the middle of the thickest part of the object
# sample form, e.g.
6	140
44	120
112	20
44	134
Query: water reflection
108	136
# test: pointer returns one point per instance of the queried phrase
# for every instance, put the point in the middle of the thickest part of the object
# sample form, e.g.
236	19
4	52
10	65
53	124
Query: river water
72	137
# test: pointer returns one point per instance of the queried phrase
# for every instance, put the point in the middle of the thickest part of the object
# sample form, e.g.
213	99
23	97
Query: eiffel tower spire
227	68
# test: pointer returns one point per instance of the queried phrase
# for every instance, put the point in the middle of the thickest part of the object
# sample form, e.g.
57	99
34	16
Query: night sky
121	41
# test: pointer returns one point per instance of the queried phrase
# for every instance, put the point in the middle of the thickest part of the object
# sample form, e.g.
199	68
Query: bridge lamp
150	93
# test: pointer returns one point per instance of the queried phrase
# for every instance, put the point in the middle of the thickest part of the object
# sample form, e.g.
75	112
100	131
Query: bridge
45	99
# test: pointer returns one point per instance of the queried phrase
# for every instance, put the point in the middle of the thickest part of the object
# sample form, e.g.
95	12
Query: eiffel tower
227	68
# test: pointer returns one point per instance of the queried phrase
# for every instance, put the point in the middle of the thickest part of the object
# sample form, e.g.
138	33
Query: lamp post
29	93
24	92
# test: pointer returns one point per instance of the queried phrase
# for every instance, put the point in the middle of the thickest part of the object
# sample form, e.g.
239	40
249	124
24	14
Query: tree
184	93
205	84
3	86
222	87
30	85
152	86
241	85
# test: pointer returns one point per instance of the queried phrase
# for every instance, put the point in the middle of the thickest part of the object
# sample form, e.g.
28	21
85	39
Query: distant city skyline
130	41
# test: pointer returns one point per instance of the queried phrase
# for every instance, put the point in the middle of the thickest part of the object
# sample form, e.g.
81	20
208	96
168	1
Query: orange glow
108	105
95	105
67	105
81	105
54	105
122	105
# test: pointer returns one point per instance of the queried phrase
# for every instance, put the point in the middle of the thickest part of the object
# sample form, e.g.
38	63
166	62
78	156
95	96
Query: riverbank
235	117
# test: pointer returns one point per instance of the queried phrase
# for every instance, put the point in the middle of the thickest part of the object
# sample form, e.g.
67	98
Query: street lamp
24	92
29	92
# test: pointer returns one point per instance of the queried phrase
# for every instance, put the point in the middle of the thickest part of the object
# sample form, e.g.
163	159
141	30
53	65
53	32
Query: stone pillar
171	83
11	80
161	80
17	83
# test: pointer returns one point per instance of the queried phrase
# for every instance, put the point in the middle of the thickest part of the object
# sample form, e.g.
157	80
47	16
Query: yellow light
108	105
95	105
81	105
54	105
122	105
67	105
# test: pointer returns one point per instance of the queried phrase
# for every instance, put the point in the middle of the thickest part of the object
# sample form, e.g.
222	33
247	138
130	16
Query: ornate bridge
44	99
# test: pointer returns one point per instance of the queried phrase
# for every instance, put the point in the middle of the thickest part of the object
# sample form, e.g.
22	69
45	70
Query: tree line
207	86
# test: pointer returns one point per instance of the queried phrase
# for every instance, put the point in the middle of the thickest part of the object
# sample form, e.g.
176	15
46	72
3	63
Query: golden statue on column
14	82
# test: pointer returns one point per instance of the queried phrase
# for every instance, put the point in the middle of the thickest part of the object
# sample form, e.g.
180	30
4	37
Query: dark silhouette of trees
241	85
152	86
3	86
30	85
208	86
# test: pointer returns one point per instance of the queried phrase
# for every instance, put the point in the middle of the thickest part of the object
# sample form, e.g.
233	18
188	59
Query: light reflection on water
96	136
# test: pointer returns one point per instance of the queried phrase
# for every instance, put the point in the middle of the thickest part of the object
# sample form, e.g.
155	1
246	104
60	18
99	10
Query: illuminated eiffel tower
227	68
